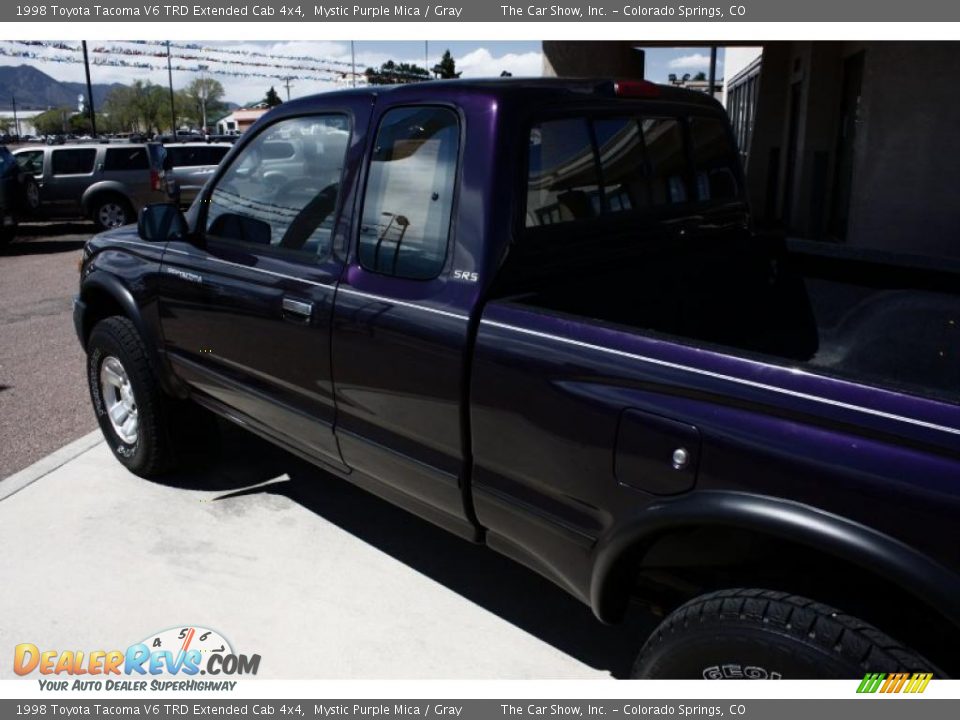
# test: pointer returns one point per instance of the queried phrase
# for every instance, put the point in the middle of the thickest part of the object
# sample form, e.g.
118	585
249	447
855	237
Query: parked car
191	164
10	195
14	187
534	313
103	182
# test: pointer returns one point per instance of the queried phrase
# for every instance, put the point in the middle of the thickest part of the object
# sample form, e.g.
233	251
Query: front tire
7	234
128	401
31	196
762	634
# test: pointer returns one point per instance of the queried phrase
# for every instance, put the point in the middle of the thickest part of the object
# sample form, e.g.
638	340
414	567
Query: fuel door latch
655	454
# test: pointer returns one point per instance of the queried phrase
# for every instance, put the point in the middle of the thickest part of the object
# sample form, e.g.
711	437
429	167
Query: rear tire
762	634
111	211
133	411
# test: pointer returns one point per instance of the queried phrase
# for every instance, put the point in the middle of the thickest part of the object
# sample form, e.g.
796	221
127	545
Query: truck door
246	308
401	321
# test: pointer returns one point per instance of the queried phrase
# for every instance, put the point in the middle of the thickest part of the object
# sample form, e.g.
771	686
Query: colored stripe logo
895	683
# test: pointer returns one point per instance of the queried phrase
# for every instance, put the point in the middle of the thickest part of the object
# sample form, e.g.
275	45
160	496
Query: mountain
35	90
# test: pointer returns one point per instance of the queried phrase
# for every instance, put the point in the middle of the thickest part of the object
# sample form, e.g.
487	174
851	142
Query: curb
29	475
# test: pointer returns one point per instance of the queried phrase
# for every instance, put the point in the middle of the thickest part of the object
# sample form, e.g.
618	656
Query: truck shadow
250	466
48	238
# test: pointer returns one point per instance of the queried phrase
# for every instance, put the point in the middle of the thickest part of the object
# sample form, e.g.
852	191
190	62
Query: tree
151	105
140	107
272	99
79	123
446	69
119	108
700	76
391	73
506	73
52	121
6	125
200	100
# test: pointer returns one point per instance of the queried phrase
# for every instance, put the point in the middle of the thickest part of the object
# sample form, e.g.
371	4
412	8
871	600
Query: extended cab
534	313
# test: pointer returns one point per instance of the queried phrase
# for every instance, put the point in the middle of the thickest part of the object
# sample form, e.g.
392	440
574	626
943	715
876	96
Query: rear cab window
585	168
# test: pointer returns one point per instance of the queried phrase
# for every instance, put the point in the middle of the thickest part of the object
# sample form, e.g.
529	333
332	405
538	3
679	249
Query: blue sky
475	58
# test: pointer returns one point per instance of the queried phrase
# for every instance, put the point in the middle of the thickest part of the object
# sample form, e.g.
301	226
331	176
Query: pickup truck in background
534	313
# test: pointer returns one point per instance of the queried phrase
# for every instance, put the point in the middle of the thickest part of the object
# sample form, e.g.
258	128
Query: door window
409	196
132	158
31	161
74	161
283	207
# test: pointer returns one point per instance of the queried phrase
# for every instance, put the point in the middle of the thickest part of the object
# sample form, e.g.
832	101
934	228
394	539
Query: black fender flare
932	583
99	281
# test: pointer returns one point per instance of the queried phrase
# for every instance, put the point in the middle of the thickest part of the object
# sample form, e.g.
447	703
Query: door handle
300	308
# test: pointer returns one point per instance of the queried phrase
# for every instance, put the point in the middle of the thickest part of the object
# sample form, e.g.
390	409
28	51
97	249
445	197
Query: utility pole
93	114
353	63
286	82
173	112
426	56
16	120
713	68
203	96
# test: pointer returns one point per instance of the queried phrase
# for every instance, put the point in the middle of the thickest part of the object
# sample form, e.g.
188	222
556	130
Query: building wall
905	154
25	118
905	174
736	59
592	58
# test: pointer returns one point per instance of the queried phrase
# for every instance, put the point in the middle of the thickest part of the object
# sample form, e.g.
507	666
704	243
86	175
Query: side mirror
160	222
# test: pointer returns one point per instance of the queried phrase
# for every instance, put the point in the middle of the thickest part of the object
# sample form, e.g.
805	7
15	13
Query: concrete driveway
320	578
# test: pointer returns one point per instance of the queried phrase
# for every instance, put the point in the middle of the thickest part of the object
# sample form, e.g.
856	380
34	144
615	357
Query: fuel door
656	454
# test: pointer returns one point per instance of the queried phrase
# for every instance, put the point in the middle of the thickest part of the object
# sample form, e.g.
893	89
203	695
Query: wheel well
100	305
101	195
683	564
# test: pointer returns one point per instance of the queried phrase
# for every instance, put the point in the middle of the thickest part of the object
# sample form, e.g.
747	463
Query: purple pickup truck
534	312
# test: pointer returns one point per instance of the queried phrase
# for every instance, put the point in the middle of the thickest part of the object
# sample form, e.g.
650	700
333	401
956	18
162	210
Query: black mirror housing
159	222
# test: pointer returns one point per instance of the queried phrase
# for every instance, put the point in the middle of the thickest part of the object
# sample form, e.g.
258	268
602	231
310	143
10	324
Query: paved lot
43	394
321	579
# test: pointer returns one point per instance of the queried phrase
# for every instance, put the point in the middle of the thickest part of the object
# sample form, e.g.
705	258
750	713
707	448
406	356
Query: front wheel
762	634
127	399
7	232
31	195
